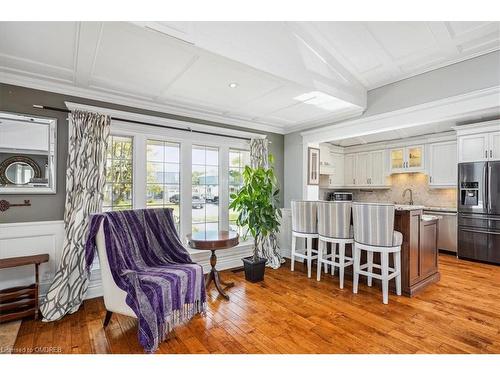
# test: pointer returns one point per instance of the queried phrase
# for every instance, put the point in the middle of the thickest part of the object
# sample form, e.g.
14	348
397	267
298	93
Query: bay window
192	173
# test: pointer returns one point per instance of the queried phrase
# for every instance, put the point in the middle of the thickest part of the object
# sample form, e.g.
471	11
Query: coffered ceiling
287	75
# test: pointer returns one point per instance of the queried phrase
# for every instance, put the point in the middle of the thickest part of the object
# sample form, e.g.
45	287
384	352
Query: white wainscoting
20	239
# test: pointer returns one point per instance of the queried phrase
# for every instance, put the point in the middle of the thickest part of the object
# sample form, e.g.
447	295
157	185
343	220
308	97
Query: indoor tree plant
257	204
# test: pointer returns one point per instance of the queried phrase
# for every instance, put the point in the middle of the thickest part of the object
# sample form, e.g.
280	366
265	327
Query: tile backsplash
417	182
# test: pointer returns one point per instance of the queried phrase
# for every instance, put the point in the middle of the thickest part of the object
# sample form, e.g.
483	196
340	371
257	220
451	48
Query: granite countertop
441	209
407	207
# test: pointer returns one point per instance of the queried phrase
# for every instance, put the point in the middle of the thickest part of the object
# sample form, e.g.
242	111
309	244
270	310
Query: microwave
339	196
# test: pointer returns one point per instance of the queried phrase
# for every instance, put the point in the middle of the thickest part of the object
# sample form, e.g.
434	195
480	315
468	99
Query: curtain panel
268	245
85	181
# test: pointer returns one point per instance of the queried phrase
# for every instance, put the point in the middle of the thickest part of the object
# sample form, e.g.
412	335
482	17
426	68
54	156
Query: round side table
213	241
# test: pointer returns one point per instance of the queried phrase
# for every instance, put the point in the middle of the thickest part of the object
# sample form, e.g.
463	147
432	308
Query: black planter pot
254	271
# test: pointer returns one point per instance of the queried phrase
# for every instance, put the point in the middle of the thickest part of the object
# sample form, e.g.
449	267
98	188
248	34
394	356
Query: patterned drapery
85	180
267	246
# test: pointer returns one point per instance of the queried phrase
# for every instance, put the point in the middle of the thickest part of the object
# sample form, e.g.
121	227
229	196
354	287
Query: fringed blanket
148	261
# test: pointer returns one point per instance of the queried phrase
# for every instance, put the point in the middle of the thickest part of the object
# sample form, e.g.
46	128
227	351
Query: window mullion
224	187
139	171
186	189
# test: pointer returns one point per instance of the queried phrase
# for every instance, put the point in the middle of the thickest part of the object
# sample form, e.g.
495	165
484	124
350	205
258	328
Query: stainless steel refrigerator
479	211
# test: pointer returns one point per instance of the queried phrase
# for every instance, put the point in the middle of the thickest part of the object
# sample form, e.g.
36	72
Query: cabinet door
443	164
363	168
428	248
494	146
349	169
414	158
337	177
472	148
325	162
397	160
377	175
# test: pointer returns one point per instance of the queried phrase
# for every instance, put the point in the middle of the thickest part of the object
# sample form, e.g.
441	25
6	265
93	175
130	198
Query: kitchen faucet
411	195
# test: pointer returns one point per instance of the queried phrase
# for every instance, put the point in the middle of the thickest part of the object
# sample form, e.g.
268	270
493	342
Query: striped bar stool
334	226
374	232
304	225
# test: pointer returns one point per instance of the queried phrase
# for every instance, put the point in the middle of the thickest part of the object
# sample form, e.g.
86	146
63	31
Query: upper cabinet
365	169
331	166
479	142
407	159
443	164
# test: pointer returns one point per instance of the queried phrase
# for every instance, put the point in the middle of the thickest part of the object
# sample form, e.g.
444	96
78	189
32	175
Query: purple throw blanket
148	261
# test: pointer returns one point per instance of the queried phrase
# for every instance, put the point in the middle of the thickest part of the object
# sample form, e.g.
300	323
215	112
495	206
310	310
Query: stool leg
355	279
320	258
309	257
369	259
294	244
334	253
385	277
341	264
397	268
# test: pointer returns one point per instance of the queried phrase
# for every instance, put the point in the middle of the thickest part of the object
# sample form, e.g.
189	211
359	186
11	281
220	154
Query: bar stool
334	226
374	232
304	225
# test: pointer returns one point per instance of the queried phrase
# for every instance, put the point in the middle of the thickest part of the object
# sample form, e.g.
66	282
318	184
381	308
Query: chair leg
320	258
397	268
107	318
385	277
294	244
341	264
309	257
334	253
355	278
369	258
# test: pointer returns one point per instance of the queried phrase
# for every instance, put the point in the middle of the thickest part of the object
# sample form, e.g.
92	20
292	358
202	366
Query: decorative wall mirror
27	154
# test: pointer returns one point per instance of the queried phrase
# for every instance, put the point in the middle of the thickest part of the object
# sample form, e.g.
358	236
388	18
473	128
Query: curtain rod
38	106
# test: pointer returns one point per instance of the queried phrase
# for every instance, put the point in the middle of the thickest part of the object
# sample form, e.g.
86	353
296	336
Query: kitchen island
419	251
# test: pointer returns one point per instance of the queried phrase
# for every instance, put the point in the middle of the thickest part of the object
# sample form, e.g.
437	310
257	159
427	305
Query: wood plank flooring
289	313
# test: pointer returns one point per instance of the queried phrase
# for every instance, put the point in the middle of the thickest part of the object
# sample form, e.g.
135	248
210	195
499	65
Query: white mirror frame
52	154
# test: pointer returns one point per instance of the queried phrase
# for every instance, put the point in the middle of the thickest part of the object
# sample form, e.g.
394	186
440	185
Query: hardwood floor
289	313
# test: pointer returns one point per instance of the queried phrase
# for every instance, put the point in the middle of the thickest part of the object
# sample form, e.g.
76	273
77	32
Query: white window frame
140	135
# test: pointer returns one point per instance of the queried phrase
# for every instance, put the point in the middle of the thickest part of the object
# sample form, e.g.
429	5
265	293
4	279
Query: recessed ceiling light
233	85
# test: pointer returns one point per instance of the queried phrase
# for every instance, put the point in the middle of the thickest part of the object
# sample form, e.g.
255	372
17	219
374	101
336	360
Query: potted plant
257	204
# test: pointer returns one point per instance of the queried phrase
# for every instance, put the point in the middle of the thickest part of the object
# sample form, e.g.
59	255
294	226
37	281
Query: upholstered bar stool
334	226
304	225
374	233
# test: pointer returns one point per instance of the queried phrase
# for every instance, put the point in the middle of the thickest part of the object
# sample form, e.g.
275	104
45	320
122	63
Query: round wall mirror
19	173
18	170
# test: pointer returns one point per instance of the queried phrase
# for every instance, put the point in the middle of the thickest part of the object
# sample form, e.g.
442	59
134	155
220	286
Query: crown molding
439	110
177	110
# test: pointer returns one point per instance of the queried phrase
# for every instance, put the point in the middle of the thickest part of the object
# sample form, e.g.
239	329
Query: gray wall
460	78
51	206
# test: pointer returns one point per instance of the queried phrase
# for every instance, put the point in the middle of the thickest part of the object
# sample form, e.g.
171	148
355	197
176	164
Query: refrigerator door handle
489	188
485	189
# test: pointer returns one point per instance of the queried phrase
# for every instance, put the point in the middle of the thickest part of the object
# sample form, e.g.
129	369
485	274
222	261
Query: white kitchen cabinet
407	159
494	145
378	168
325	161
443	164
350	170
363	168
473	147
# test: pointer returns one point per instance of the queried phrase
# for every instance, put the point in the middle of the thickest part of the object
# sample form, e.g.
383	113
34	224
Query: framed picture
313	166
